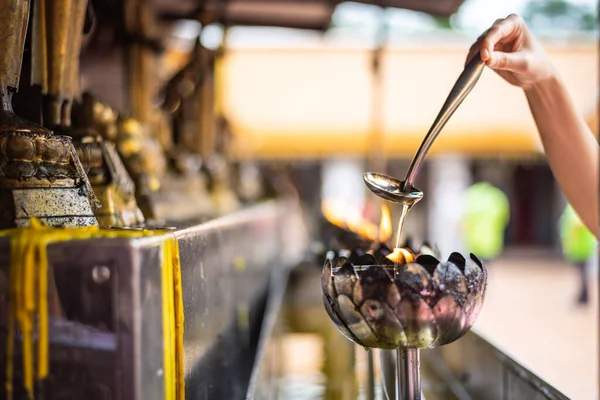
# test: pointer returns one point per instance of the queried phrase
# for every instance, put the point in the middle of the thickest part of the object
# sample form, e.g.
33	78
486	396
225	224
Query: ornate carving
90	154
40	174
46	159
142	154
104	120
103	165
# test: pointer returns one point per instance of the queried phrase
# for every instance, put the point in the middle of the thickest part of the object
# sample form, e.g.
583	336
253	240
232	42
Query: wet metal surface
106	321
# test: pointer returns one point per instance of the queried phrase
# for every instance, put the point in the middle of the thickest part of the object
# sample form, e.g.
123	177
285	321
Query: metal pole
376	154
376	158
399	371
388	373
371	376
409	373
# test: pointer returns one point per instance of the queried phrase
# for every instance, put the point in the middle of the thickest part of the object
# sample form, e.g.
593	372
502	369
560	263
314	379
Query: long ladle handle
463	86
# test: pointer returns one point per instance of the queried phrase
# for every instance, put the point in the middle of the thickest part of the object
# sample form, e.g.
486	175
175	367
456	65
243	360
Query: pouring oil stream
407	360
404	192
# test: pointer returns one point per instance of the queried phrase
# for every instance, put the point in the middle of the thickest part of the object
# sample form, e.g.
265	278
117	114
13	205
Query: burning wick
401	256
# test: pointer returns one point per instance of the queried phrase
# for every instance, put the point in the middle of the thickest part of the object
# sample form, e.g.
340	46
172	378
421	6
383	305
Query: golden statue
56	69
95	125
40	173
214	141
183	193
144	160
141	133
189	96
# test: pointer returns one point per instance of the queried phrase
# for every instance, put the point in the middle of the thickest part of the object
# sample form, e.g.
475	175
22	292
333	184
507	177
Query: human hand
510	49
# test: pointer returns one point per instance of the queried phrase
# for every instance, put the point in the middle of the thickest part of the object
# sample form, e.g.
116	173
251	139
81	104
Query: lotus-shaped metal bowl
421	304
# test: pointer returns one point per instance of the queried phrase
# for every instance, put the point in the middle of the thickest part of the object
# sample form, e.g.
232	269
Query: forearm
570	146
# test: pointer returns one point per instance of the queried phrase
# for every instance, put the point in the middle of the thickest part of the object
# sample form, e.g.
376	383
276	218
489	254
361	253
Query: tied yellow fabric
28	296
172	321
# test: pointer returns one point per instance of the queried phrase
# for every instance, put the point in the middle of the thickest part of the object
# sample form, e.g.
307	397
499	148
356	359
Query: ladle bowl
392	189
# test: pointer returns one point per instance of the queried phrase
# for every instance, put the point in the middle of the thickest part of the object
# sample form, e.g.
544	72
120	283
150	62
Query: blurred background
361	96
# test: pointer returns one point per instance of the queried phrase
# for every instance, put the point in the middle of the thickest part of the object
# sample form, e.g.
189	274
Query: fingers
476	47
502	31
514	62
472	52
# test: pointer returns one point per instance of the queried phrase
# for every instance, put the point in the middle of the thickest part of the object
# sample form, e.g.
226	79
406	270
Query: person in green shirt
486	217
578	246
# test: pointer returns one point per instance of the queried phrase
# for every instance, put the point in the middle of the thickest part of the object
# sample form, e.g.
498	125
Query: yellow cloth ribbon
29	249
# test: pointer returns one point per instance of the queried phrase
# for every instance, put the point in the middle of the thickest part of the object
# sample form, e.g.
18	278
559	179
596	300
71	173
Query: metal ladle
397	191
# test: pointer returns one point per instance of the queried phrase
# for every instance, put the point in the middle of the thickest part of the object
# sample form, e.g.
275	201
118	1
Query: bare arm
510	49
570	146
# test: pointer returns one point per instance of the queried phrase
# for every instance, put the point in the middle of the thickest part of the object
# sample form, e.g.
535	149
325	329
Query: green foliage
560	14
442	23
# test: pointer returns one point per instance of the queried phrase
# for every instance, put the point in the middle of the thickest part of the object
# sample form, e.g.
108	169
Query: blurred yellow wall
317	101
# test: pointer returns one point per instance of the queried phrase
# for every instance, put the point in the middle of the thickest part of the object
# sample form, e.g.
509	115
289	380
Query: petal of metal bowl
423	304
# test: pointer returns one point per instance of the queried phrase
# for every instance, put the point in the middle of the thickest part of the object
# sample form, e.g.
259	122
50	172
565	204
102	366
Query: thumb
514	62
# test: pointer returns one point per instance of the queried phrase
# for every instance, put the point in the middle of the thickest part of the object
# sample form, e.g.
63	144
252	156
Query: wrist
548	84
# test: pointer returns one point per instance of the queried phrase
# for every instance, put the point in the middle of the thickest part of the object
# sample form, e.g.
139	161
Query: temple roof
302	14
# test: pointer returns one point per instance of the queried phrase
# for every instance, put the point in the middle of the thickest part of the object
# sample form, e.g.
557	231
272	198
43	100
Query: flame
385	225
361	226
334	213
349	218
401	256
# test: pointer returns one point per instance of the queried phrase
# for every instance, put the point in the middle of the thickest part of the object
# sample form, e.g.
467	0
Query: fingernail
485	54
